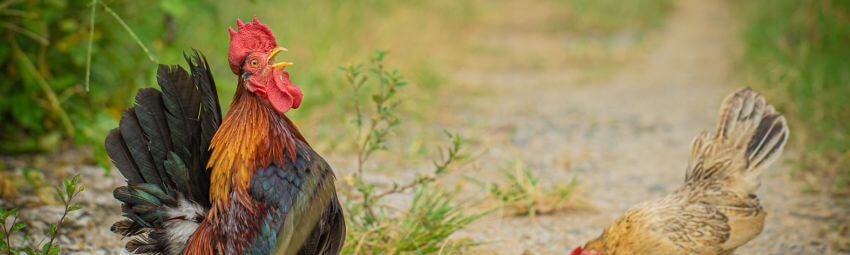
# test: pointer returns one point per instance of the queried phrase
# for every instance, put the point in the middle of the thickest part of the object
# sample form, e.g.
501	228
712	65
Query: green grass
797	51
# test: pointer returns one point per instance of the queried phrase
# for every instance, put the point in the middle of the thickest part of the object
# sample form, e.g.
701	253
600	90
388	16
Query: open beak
278	65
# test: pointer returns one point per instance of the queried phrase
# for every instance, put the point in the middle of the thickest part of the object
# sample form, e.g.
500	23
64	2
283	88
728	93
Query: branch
449	157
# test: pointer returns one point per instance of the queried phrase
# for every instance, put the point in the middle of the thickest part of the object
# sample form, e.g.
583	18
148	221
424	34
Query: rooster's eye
254	63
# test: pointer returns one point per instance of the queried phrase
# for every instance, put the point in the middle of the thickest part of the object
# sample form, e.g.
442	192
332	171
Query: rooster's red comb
248	37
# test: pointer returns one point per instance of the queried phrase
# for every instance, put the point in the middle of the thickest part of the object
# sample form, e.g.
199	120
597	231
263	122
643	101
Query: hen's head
251	57
580	251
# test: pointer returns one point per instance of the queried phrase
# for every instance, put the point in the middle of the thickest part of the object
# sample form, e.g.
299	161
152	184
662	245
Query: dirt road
624	137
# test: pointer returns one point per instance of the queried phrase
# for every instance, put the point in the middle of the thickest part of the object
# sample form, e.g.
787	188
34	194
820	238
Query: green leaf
52	230
75	207
54	250
59	193
173	7
68	188
46	248
71	186
17	227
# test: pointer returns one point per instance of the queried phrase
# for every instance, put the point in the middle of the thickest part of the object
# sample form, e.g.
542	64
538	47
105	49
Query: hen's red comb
248	37
576	251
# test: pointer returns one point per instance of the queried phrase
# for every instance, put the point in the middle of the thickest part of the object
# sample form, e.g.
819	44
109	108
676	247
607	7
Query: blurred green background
795	50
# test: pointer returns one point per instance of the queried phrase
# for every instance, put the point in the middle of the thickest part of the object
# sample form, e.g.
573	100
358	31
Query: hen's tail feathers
750	135
161	148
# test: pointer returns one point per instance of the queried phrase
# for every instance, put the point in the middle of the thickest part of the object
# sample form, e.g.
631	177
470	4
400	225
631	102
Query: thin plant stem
61	220
91	42
6	232
130	31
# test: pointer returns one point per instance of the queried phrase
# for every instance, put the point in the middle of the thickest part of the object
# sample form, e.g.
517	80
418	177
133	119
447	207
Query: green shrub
44	57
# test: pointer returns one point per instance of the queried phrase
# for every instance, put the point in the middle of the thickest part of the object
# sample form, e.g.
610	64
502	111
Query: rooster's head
251	56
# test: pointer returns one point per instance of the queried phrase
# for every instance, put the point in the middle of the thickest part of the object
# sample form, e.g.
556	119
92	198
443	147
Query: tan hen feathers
715	212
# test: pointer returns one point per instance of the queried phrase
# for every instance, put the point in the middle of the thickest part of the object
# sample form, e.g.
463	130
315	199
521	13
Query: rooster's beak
279	65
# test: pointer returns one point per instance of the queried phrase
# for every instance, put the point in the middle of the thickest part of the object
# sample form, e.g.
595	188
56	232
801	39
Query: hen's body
716	210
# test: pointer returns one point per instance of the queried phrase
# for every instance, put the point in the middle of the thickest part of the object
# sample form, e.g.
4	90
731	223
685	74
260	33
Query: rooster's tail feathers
161	148
750	135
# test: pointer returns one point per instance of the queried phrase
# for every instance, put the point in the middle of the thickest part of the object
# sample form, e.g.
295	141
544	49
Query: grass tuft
523	194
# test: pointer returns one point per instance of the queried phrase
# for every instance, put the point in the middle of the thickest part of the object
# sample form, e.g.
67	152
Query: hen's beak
279	65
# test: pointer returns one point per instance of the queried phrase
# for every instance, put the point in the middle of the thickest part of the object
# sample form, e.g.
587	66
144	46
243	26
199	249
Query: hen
716	211
248	183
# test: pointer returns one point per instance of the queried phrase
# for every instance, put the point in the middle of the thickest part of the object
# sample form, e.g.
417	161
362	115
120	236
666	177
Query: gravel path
625	138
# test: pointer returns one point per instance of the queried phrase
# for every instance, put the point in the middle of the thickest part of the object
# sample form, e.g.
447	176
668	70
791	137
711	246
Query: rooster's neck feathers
252	135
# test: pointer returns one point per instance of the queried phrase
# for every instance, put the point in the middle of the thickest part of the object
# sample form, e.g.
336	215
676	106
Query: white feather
182	223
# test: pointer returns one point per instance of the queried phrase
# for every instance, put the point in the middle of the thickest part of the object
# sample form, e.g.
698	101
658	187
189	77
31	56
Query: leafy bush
433	216
797	50
49	49
43	108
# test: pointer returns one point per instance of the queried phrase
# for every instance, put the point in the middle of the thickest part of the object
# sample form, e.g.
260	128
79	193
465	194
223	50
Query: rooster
248	183
716	211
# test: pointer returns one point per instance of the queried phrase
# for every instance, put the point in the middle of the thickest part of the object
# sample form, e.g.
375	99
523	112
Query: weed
434	215
69	190
523	194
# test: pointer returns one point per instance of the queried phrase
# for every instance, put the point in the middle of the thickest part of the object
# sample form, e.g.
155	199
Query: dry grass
523	194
